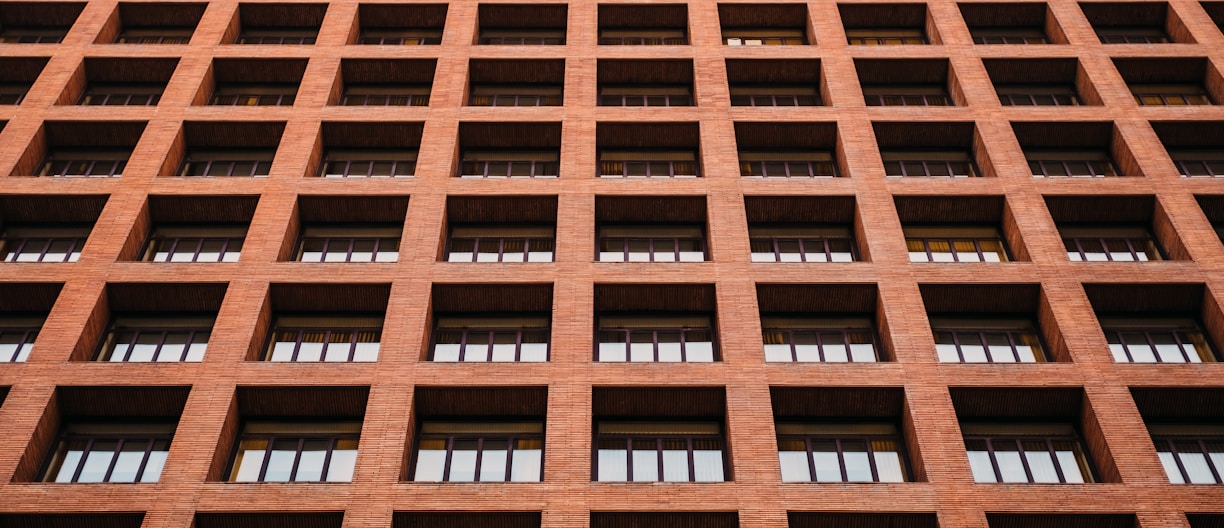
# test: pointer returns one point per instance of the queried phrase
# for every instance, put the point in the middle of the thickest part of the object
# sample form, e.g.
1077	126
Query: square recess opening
521	24
809	420
17	75
37	22
23	311
399	24
47	228
643	25
960	229
995	421
223	148
516	82
1213	208
993	323
504	323
1041	82
251	82
909	82
75	520
649	323
269	520
308	323
928	149
646	83
80	149
275	24
151	23
1169	81
804	519
1014	23
323	422
151	322
664	519
627	420
1070	520
190	229
499	229
888	24
118	82
509	150
383	82
1196	148
804	229
346	229
1136	22
765	25
651	229
1185	424
426	519
1115	229
1075	150
477	434
823	323
789	150
346	149
776	82
648	150
103	414
1158	323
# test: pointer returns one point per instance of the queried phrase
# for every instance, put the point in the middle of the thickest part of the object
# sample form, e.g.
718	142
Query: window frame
161	325
519	94
816	162
1019	433
802	235
1141	243
170	35
541	161
1009	35
260	159
1114	328
113	161
1010	93
1169	94
1166	439
948	159
904	95
1208	159
325	324
659	438
794	92
507	235
28	328
290	431
1132	35
451	438
277	35
820	325
492	324
643	36
756	36
77	235
646	230
369	157
521	37
33	34
1004	255
228	234
659	326
1011	327
58	455
381	234
647	158
886	36
1043	159
865	432
390	94
254	94
630	94
400	36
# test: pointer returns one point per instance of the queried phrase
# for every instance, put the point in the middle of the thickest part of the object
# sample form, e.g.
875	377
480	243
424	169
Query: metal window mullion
297	346
352	355
1147	335
42	255
1131	246
1216	472
1015	348
331	446
76	475
1125	348
518	345
819	347
110	468
956	342
479	458
1054	456
1181	346
131	345
994	460
463	345
1079	248
1028	472
144	460
841	460
160	344
875	472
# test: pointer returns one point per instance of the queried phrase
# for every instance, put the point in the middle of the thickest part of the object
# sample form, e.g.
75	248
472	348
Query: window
278	36
787	95
497	339
841	453
509	164
122	95
1021	35
1113	244
349	244
659	452
385	95
1132	35
885	37
1163	340
254	95
639	95
998	340
33	34
522	36
906	96
648	164
480	452
1192	163
156	339
819	339
155	35
801	244
955	164
1190	454
79	163
1034	453
17	335
233	162
331	339
339	163
788	164
1038	95
500	244
1170	94
510	95
27	243
652	244
192	243
955	244
110	453
401	36
289	452
1076	164
642	37
12	94
656	339
764	37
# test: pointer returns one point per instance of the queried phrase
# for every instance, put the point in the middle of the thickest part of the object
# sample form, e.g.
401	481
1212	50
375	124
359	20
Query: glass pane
613	461
828	466
669	346
834	345
431	461
979	461
71	453
1195	462
343	460
157	461
858	466
1167	348
311	348
477	347
1041	464
146	345
528	459
646	460
675	461
793	457
249	460
1137	345
280	461
699	351
493	460
1071	461
641	347
1008	456
282	349
971	347
98	461
463	461
128	463
310	464
888	465
173	347
1170	466
612	346
707	461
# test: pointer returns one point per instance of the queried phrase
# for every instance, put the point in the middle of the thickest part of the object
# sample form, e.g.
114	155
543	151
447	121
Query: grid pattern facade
942	482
